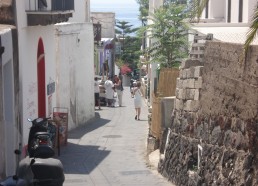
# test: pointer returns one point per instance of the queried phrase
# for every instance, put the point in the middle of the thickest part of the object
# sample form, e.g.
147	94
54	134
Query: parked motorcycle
38	168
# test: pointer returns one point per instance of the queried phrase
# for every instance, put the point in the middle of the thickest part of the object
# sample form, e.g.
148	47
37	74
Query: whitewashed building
105	44
227	20
152	68
55	69
10	131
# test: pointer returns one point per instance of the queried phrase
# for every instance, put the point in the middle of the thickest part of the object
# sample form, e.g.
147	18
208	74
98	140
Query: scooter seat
41	134
43	151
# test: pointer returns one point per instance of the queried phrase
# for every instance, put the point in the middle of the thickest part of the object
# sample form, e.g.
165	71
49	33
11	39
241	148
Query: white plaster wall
234	11
153	4
6	40
81	11
217	9
75	71
8	125
87	16
107	21
248	14
21	6
28	44
66	61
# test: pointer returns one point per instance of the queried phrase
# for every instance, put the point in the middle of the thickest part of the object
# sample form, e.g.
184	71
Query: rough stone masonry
214	130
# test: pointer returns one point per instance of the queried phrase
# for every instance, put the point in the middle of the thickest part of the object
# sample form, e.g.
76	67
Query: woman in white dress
137	100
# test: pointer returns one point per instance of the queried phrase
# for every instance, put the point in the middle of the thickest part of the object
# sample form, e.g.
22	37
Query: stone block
191	105
189	94
190	63
198	71
184	75
216	135
188	73
191	72
152	144
196	94
179	104
184	83
177	92
190	83
181	74
198	83
180	93
179	83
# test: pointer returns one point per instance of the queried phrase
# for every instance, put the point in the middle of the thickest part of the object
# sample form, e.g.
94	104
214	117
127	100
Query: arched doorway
41	80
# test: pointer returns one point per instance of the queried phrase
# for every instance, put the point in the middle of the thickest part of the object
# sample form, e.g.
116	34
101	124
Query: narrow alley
111	150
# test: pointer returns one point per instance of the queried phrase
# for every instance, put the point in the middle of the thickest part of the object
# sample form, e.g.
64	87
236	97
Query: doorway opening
41	80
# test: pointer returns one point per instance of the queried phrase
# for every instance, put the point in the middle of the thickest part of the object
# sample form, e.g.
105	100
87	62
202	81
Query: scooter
38	168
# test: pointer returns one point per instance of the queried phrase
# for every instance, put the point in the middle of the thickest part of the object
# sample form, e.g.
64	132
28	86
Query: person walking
96	92
119	89
137	100
109	86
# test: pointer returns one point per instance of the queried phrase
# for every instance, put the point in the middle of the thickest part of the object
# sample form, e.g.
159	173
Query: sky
113	2
125	10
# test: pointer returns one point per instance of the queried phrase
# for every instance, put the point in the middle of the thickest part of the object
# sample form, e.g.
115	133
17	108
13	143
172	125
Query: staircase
198	46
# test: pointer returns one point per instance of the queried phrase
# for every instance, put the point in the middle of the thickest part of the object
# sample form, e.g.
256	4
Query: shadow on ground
94	124
82	159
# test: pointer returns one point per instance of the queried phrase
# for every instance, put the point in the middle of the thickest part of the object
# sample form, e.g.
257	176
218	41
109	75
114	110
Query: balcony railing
45	12
50	5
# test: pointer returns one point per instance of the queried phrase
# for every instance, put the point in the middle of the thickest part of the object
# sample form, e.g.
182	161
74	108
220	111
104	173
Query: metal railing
50	5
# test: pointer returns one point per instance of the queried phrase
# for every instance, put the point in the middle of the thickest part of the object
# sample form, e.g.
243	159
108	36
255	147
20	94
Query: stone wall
213	135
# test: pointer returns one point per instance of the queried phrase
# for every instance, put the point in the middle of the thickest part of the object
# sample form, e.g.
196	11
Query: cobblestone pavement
111	150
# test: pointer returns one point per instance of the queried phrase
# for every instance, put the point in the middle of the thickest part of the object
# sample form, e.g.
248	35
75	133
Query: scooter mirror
30	120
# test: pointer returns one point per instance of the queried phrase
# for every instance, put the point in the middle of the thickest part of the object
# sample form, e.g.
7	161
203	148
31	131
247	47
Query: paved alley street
111	150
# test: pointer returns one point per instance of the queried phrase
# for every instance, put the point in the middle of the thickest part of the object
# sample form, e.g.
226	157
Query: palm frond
196	8
251	34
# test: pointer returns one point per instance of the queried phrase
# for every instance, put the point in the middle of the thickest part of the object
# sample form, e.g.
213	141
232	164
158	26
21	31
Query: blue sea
128	12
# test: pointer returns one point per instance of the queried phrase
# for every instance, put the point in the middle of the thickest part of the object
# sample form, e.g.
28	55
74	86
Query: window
229	11
240	14
207	11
